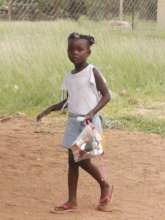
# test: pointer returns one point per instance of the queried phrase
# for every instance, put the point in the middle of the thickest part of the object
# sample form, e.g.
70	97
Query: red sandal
106	200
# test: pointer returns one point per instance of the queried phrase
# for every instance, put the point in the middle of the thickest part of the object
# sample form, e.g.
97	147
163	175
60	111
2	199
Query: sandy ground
33	174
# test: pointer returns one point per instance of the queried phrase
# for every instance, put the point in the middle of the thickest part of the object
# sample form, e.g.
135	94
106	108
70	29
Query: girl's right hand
40	116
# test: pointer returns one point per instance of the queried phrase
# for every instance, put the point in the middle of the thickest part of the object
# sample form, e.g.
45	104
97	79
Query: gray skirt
74	128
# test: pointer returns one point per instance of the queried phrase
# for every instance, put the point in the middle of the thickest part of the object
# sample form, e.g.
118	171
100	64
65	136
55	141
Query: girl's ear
89	52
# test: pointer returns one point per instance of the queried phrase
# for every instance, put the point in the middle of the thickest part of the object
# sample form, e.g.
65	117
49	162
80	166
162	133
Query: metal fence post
121	10
10	4
133	15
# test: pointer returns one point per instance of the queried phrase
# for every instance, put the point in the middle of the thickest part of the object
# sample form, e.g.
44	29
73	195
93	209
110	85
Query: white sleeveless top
82	91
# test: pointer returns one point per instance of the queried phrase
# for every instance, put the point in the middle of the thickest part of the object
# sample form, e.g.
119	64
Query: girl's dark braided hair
74	36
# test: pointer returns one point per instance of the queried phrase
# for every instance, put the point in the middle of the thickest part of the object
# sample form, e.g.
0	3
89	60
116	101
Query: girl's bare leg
96	174
73	174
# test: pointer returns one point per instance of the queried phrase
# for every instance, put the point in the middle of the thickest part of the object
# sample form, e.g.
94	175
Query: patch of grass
33	59
138	123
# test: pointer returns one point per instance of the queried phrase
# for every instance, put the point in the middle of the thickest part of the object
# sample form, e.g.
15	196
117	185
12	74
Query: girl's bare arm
102	87
55	107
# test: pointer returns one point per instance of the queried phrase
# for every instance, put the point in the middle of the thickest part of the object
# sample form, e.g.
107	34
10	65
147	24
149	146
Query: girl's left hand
89	116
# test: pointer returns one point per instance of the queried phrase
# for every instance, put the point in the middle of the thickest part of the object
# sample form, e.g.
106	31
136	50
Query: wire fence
127	13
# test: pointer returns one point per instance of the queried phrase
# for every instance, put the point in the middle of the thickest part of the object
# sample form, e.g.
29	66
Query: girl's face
78	50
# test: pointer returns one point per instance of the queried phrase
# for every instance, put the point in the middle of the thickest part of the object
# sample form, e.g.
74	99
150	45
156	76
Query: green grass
33	61
137	123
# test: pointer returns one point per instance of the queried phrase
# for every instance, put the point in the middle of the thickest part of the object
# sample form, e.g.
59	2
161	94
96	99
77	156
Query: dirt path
33	174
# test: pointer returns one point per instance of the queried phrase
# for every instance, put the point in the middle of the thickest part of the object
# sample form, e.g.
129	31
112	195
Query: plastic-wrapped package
87	144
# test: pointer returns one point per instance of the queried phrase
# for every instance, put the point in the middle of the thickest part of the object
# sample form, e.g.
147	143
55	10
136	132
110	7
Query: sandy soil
33	174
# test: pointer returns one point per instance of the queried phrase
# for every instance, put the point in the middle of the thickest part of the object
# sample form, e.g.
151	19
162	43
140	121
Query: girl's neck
79	67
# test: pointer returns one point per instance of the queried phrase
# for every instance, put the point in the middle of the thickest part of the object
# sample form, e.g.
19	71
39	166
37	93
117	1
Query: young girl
87	94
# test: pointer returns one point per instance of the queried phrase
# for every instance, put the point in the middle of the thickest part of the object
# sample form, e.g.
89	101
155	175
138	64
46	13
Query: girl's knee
71	161
85	163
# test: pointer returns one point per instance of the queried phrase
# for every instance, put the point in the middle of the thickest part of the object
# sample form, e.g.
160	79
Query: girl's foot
105	188
66	207
105	201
